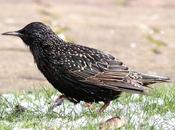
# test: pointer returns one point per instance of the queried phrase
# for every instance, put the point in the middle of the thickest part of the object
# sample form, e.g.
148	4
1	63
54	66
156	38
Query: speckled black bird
81	73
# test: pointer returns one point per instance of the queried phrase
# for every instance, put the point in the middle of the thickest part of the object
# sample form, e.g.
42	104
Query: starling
81	73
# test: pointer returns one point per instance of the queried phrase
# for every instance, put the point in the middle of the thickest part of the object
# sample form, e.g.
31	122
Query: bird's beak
13	33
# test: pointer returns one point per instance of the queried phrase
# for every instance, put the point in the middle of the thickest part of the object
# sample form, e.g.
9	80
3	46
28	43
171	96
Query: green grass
153	112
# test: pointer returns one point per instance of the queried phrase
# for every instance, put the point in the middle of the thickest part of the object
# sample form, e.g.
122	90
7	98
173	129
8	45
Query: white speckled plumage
79	72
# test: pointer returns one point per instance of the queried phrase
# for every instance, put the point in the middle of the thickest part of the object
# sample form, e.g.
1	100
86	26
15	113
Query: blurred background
138	32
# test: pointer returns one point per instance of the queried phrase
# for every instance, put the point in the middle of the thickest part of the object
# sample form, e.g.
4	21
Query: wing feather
103	70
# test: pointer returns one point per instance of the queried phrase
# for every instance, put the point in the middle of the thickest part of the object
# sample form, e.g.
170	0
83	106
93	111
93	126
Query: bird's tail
151	79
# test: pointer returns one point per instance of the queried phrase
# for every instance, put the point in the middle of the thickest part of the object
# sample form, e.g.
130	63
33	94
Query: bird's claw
59	100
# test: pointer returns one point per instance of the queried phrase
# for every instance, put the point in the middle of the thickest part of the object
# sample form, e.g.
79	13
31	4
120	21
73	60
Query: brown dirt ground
109	25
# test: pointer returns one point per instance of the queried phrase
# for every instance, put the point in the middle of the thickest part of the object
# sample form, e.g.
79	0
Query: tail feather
151	79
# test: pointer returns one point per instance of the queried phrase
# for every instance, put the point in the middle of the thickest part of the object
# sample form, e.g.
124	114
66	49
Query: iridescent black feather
79	72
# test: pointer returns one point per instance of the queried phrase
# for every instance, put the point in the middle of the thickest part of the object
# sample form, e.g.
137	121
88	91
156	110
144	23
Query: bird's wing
103	70
115	78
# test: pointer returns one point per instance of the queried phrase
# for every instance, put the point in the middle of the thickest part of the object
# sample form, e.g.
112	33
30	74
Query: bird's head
32	33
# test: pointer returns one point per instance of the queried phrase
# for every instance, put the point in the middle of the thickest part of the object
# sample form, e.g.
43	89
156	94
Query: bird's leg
106	104
88	105
59	100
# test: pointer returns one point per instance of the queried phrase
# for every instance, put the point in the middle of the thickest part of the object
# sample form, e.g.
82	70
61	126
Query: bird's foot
59	100
102	109
88	105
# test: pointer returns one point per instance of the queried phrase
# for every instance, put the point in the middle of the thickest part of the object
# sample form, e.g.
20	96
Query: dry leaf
112	123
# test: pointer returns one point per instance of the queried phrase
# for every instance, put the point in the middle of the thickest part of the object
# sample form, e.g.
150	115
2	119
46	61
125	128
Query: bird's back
79	72
84	73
